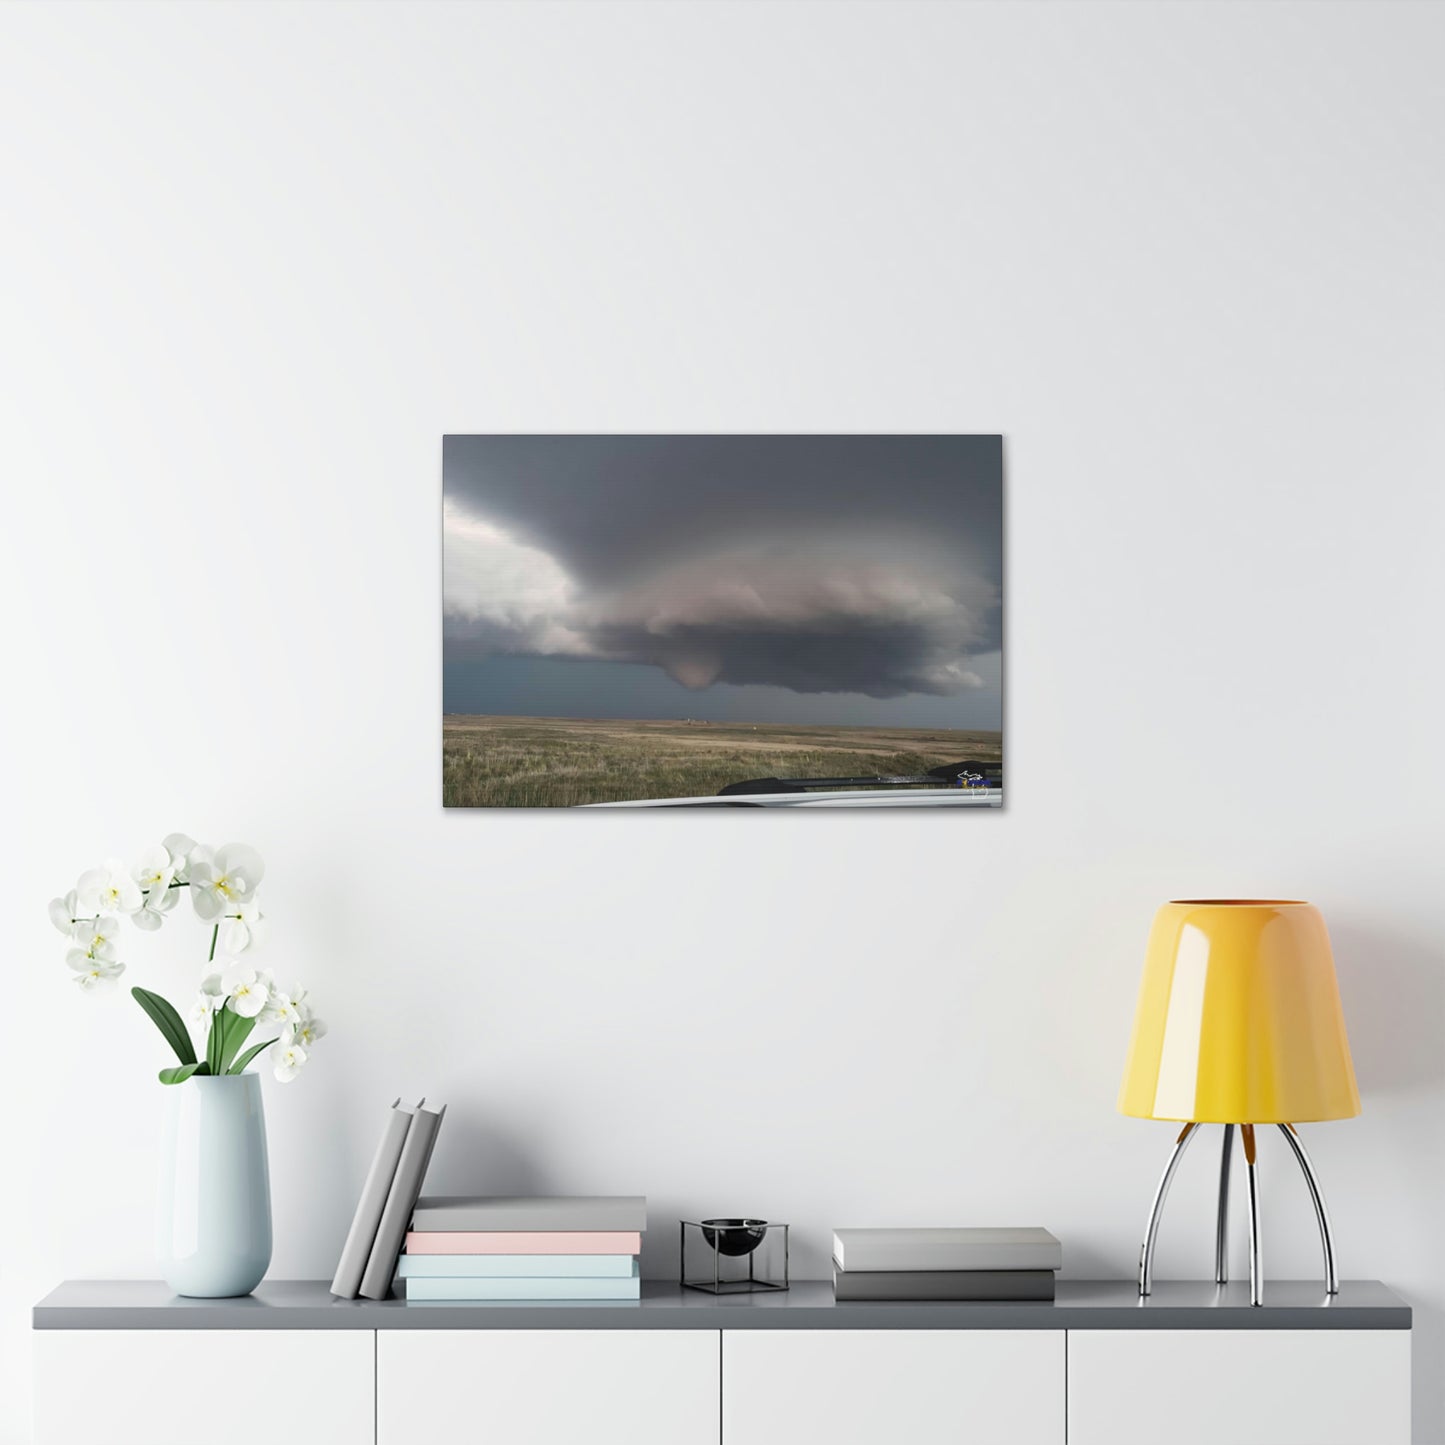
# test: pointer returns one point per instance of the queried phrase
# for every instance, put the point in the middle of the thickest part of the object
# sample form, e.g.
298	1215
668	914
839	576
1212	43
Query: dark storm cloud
819	564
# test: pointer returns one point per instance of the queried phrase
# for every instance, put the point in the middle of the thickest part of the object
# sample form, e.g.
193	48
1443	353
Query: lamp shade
1239	1018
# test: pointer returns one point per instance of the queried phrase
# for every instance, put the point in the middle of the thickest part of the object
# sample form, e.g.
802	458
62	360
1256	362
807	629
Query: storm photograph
722	620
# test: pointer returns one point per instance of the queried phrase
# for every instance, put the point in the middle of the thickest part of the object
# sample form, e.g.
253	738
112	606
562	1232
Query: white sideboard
866	1387
203	1387
537	1387
1247	1387
120	1363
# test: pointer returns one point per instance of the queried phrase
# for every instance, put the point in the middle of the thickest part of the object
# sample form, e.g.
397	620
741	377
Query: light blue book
517	1266
476	1288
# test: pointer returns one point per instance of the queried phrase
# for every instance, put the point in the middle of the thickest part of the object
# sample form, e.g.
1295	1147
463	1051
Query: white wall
256	261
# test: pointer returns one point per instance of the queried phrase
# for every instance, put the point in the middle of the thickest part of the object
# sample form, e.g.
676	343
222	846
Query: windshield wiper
968	774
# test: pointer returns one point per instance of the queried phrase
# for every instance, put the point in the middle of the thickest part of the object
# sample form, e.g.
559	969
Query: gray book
943	1284
400	1201
362	1234
934	1249
611	1214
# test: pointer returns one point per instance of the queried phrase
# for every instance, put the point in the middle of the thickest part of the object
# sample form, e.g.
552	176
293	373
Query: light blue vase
213	1228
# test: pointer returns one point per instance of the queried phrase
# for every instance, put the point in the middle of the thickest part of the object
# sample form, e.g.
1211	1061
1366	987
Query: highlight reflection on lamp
1239	1023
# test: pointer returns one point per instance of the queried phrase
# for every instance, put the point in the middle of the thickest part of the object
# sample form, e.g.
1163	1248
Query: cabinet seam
1066	1387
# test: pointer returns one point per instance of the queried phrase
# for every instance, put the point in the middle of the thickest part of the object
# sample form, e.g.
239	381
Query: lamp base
1221	1233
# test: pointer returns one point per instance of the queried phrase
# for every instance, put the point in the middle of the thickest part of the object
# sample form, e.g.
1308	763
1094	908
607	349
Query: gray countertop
809	1305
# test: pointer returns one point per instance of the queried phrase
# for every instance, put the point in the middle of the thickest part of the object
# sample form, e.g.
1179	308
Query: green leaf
236	1034
168	1021
214	1039
181	1072
239	1067
228	1033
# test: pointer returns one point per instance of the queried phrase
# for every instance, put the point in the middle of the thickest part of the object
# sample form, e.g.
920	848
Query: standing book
400	1201
364	1223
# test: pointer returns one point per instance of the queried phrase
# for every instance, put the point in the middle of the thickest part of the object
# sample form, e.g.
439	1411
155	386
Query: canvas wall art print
722	621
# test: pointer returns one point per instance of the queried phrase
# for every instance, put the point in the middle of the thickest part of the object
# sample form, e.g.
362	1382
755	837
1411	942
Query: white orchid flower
222	881
180	847
94	961
280	1009
243	929
223	885
158	903
290	1060
308	1027
63	911
304	1031
247	993
108	889
158	872
97	936
93	973
210	1000
155	870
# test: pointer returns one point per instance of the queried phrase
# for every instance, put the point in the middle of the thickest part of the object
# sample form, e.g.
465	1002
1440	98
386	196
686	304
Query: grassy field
548	762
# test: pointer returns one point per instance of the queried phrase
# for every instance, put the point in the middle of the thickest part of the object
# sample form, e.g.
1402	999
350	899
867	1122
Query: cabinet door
202	1387
547	1387
888	1387
1249	1387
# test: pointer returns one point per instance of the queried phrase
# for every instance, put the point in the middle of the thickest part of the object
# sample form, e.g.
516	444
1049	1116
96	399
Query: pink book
460	1241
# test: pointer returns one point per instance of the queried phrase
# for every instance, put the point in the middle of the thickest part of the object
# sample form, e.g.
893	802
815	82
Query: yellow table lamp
1239	1022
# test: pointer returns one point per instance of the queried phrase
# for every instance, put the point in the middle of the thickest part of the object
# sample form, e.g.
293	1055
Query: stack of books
483	1248
945	1264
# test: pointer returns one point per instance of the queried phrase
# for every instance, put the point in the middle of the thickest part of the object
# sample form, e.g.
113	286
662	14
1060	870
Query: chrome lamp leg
1151	1232
1251	1172
1221	1227
1322	1215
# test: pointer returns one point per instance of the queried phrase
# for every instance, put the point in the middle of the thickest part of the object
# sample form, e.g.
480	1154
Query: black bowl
734	1237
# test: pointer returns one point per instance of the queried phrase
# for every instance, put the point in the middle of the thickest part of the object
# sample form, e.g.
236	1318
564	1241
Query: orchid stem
215	934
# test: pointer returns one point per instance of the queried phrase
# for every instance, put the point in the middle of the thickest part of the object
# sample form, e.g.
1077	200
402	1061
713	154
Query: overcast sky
771	578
